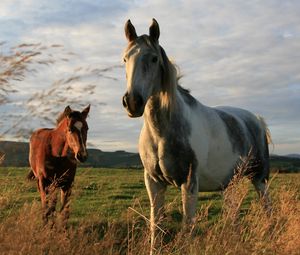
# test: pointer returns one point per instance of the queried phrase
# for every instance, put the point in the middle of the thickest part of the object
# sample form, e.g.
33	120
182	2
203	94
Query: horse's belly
212	183
217	173
216	160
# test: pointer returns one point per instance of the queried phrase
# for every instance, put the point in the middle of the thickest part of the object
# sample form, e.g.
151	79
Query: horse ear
130	31
67	110
86	111
154	30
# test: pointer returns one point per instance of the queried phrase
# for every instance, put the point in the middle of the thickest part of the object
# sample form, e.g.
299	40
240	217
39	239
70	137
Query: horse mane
170	78
60	117
170	84
72	114
183	90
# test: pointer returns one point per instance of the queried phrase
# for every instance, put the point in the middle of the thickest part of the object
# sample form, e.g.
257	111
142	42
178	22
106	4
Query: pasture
110	211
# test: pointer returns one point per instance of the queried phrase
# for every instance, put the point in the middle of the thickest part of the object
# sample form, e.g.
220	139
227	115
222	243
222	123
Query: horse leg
52	201
260	179
189	194
65	194
156	193
262	191
42	190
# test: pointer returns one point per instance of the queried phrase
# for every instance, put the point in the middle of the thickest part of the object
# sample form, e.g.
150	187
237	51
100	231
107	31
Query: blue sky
239	53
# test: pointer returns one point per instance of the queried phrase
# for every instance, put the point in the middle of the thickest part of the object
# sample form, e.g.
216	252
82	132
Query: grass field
109	208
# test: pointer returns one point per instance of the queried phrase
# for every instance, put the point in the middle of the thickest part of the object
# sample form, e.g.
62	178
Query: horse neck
59	145
161	119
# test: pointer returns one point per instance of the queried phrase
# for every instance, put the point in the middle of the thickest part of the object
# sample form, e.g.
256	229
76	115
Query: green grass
109	194
102	193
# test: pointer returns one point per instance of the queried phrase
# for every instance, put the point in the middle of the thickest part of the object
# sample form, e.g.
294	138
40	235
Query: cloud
236	53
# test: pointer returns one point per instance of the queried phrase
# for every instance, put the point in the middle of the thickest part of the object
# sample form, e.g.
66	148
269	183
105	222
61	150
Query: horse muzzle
81	157
134	105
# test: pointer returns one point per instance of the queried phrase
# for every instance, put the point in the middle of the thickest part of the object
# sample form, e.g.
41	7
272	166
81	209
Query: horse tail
266	129
30	176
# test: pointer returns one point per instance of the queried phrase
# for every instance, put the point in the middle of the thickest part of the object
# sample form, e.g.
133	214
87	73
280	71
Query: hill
294	155
16	155
285	164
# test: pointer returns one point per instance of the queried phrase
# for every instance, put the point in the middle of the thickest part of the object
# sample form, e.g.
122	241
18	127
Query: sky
238	53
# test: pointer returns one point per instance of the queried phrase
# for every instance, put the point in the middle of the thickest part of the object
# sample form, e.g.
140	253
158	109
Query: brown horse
54	154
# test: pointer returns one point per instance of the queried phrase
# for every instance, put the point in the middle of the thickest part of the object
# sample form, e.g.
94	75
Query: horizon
136	152
234	53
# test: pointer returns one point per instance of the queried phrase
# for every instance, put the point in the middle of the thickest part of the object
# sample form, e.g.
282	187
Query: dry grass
236	231
59	88
19	61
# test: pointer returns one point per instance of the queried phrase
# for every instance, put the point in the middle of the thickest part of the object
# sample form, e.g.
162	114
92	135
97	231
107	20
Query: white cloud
242	53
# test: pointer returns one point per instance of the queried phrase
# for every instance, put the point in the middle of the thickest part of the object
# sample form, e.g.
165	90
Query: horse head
76	132
148	70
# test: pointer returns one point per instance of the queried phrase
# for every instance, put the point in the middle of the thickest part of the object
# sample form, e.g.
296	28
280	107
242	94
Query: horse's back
243	127
40	138
239	113
38	146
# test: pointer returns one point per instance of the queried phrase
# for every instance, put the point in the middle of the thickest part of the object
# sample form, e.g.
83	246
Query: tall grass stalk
240	228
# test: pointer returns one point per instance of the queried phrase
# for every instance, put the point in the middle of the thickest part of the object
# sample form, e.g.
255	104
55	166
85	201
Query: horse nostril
80	157
133	103
139	101
124	101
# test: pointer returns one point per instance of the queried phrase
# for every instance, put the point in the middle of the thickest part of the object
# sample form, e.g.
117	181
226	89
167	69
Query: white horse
183	142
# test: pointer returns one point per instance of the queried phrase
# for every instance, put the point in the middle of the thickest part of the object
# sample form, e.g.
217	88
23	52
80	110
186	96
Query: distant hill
16	155
293	155
117	159
285	164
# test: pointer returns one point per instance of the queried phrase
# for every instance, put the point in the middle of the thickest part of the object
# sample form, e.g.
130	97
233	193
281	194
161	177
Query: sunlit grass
110	207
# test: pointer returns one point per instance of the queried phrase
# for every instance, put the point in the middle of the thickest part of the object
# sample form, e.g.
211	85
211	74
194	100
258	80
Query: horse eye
154	59
124	59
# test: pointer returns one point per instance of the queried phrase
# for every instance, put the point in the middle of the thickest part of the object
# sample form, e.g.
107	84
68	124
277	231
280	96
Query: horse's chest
60	168
170	161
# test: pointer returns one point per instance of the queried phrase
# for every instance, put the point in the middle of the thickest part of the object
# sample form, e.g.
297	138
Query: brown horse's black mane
73	114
